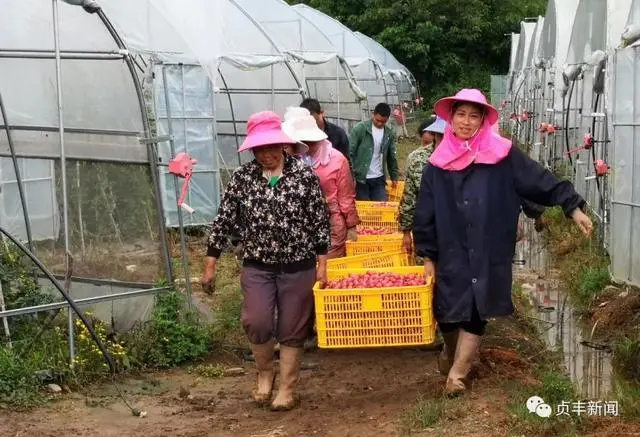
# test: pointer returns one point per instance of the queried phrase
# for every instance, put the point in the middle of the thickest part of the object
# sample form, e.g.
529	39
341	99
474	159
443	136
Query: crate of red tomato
363	308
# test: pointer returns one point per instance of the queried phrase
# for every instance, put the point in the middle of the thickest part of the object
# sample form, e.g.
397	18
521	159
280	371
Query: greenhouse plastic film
625	183
38	177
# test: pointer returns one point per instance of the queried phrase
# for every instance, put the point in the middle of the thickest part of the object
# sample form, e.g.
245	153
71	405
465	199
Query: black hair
459	103
312	105
382	109
425	124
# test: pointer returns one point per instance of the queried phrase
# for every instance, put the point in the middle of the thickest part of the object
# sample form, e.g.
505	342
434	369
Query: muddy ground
357	393
347	393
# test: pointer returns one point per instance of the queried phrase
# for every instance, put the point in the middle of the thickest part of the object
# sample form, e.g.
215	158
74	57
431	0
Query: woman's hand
209	276
582	221
540	224
352	234
429	270
407	242
321	273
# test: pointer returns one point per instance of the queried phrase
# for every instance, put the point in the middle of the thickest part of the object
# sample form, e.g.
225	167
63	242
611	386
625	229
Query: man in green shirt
372	146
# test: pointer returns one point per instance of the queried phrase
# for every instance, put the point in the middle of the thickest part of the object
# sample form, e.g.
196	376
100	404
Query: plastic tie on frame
182	167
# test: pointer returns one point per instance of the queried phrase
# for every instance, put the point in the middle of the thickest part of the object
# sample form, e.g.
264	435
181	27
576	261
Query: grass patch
427	413
213	371
626	378
627	393
582	263
555	388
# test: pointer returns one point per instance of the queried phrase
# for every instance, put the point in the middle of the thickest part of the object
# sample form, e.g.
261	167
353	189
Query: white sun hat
437	126
306	129
293	113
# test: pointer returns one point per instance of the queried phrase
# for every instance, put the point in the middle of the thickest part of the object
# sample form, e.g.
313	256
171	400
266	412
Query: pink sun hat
263	129
444	106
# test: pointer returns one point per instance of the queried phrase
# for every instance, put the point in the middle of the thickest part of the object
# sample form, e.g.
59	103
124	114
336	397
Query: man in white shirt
372	147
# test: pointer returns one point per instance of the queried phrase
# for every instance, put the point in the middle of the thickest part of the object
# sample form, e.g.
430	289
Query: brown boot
263	354
289	372
447	355
466	351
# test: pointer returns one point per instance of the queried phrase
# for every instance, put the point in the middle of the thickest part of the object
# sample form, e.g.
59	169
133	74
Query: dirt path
346	394
349	393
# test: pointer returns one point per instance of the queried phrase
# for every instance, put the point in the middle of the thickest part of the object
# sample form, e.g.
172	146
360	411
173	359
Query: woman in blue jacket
466	220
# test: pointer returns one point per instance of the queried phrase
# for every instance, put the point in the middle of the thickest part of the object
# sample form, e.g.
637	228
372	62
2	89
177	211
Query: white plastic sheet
532	56
617	16
393	69
38	179
588	32
526	37
625	162
343	39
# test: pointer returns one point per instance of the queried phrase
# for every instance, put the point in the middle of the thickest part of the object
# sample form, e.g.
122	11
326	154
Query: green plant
627	393
89	363
626	358
227	327
426	413
174	334
593	279
555	388
209	370
20	289
19	382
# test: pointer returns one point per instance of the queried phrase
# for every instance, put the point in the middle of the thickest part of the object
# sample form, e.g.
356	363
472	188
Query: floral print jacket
286	224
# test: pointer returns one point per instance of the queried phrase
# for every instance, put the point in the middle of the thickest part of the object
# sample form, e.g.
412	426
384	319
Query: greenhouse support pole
233	117
63	165
183	244
151	149
338	89
16	169
216	142
5	322
273	89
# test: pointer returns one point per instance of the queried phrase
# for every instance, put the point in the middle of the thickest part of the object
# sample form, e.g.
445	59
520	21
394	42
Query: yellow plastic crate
391	236
373	215
390	258
374	317
373	245
395	194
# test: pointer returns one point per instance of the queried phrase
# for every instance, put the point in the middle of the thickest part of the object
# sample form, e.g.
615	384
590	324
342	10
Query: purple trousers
290	294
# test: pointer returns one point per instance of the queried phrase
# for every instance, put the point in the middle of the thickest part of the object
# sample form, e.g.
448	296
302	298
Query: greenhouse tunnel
122	87
368	73
324	74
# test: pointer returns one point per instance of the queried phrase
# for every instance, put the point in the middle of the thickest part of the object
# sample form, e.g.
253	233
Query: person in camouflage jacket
431	133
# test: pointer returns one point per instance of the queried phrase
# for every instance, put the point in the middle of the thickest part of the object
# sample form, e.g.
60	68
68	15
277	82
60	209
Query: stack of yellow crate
374	317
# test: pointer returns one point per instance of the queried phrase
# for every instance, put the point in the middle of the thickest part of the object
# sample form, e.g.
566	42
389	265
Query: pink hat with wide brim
444	106
263	129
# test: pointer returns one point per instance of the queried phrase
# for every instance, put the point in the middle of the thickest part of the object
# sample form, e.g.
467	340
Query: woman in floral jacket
276	205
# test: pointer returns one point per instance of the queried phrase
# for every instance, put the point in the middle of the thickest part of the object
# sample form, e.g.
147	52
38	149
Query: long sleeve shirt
284	224
466	222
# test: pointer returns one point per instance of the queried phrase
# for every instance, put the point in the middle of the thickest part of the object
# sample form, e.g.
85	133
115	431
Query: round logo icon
533	402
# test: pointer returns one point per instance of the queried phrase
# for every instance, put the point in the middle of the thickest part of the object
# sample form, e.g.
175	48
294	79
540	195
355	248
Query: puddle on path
588	363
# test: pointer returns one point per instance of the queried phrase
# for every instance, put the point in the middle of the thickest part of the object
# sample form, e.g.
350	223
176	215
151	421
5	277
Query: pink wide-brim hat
443	106
263	129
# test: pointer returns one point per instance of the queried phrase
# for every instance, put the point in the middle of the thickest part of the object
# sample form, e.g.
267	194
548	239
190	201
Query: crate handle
372	302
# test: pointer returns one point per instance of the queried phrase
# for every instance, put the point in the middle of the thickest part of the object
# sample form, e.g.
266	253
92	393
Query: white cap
437	126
